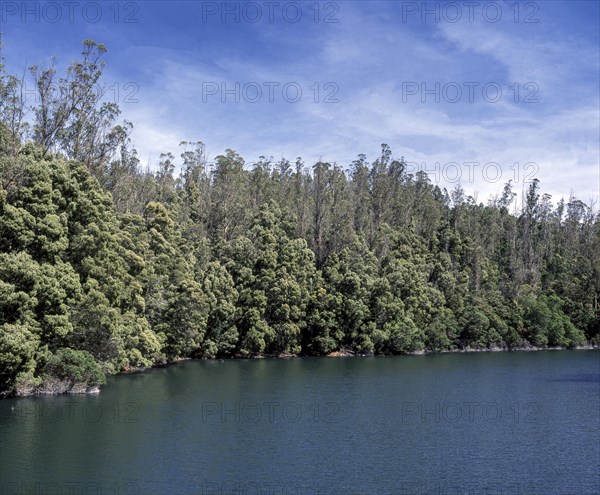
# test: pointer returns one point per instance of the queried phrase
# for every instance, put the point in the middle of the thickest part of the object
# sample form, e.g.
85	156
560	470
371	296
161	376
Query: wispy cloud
384	74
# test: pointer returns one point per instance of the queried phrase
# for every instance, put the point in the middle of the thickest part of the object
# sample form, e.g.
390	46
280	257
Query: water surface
510	423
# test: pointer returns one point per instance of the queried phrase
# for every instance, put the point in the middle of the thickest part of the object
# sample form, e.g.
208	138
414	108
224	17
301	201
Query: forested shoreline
106	266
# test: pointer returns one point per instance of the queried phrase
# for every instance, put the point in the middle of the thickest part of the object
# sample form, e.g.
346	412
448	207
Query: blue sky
481	94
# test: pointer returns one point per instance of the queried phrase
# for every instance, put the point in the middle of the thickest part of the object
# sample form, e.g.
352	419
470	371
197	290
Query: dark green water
510	423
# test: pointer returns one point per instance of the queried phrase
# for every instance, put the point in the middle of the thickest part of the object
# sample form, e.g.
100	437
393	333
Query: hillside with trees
106	266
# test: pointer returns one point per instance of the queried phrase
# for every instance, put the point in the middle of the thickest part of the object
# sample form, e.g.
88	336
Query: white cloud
369	57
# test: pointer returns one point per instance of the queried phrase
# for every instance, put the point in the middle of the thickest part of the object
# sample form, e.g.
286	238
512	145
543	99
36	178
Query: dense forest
107	266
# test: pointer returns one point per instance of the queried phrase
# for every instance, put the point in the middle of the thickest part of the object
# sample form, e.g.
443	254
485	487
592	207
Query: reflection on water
510	423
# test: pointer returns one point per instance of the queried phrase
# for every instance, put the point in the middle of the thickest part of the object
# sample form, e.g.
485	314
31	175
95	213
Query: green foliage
17	348
221	331
545	322
106	267
75	366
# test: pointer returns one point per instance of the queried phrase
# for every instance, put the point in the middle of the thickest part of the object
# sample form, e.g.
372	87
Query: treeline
105	266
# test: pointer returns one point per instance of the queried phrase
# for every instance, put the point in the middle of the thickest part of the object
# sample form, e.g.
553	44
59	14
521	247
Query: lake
510	423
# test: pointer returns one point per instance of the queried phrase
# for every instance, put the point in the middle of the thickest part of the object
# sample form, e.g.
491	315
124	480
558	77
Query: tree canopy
105	266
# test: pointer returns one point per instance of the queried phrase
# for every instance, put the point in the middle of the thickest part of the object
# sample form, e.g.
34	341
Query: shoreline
466	350
83	389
